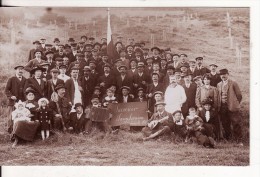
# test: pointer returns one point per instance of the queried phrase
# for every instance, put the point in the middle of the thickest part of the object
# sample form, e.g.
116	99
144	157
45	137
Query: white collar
107	98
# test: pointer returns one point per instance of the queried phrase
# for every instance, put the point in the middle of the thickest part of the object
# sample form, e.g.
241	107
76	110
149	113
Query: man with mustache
61	108
14	92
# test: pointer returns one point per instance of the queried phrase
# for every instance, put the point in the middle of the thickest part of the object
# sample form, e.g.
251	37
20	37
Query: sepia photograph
125	86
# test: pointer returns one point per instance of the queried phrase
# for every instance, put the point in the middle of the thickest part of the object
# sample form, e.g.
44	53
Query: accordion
99	114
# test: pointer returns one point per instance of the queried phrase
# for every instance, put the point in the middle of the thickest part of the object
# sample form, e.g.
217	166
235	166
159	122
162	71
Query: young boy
179	128
109	98
194	126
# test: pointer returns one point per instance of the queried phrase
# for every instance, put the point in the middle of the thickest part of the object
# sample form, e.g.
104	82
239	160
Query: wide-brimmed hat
155	48
29	90
36	69
223	71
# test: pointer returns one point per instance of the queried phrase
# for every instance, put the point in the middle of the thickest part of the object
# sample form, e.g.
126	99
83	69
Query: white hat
19	103
43	99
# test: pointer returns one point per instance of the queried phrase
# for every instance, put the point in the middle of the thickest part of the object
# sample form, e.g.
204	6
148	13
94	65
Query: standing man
53	82
73	87
14	92
215	77
201	70
37	83
37	46
228	106
174	96
34	62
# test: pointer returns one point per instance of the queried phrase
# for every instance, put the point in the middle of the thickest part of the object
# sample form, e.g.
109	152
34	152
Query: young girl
110	98
44	116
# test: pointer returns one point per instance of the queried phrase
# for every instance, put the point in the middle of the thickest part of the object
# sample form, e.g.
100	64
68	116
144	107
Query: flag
110	44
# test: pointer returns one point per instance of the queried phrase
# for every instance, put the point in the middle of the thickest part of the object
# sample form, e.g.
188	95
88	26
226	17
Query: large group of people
186	100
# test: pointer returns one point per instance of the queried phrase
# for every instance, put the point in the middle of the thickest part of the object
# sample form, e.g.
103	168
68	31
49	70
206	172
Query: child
179	126
20	113
194	126
44	116
110	98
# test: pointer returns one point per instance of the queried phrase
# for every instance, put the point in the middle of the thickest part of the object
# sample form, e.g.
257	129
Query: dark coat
139	79
108	80
213	116
88	89
31	54
190	101
41	90
51	84
70	89
45	118
130	56
215	79
77	124
201	72
126	82
151	88
14	87
121	99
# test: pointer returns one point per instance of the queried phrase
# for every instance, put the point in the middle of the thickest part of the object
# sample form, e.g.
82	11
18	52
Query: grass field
203	36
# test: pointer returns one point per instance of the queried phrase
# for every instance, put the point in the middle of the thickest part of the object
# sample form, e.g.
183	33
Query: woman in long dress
26	129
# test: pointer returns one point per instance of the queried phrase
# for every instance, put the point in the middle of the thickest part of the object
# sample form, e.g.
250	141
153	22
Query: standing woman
206	91
26	130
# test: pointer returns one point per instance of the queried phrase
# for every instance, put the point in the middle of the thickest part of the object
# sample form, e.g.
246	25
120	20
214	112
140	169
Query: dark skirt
25	130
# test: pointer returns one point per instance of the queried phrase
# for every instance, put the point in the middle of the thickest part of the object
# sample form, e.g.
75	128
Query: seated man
77	119
159	124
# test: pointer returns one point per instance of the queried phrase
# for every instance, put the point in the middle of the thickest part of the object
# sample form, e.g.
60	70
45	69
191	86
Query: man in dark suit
201	69
215	77
156	54
60	53
156	69
154	86
14	92
56	42
123	79
190	90
193	69
124	96
88	85
42	41
37	45
77	119
141	79
140	95
166	79
130	52
53	82
34	62
106	80
37	83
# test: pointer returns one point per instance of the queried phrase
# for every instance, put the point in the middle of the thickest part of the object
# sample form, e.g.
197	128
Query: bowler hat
122	66
91	38
71	39
49	52
223	71
36	42
86	68
83	37
78	105
56	40
38	50
59	86
213	64
199	58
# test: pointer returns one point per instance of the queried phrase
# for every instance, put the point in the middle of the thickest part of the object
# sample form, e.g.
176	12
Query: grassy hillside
205	34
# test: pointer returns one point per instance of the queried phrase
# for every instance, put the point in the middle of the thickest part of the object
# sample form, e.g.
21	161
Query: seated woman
160	123
23	127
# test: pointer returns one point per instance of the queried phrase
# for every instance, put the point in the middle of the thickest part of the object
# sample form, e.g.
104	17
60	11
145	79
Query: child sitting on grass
194	126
